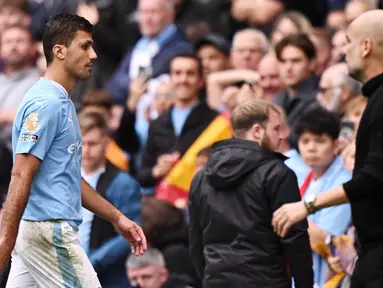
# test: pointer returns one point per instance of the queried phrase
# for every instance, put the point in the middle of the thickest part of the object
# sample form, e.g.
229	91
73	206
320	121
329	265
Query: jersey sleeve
38	126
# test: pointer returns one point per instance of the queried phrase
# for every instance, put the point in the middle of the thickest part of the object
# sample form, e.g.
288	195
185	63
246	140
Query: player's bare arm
290	214
25	167
92	201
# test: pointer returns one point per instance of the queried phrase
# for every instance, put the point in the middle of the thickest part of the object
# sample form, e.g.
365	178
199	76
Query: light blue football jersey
46	126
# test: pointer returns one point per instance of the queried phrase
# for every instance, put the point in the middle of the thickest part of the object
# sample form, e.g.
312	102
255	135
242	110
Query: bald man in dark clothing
364	57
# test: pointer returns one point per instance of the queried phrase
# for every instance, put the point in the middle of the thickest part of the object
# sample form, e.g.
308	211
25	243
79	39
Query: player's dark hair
189	55
61	29
300	41
319	121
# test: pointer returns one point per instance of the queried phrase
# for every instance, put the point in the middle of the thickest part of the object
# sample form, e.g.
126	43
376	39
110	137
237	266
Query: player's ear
59	51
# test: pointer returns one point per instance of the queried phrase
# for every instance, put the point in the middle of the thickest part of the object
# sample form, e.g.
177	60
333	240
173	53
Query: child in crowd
318	132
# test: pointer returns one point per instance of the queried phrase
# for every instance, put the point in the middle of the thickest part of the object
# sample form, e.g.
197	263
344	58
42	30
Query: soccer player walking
43	208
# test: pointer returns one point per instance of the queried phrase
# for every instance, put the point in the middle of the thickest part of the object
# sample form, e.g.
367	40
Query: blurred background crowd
167	76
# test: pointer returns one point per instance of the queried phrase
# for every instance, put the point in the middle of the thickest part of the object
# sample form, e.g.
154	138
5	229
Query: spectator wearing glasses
337	89
249	46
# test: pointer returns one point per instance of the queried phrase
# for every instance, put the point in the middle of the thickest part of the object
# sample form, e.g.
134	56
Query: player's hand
6	248
133	233
287	216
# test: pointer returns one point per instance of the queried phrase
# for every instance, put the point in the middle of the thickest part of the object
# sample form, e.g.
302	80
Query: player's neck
62	78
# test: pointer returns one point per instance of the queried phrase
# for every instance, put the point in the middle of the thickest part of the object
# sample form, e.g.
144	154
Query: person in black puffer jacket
232	201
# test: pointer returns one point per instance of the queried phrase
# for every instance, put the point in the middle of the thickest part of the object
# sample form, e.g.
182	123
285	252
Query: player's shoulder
43	95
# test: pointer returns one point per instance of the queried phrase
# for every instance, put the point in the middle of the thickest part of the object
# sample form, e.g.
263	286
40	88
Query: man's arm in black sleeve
195	233
368	180
125	135
284	189
149	160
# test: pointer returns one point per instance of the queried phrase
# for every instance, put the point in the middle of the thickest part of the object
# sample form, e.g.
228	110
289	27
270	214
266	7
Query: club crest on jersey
32	122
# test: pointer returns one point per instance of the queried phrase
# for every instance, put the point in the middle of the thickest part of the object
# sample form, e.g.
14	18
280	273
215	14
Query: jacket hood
233	159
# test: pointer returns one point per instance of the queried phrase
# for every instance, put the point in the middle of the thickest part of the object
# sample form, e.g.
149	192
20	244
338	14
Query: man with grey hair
161	41
149	271
337	88
249	46
364	57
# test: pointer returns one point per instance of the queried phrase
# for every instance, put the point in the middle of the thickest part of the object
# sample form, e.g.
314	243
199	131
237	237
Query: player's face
80	55
93	149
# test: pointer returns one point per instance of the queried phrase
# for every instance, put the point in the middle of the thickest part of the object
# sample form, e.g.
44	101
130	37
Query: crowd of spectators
167	76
